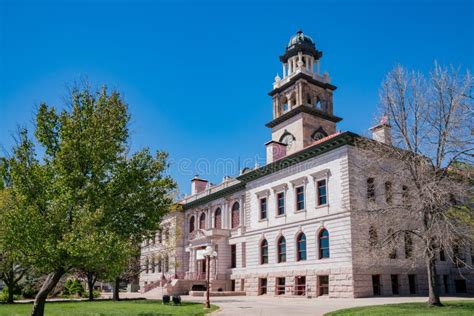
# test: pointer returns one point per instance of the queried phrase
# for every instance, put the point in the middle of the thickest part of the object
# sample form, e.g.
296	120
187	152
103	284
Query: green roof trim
214	196
346	138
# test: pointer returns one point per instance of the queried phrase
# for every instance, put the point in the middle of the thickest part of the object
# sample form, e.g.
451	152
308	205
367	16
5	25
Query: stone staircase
156	293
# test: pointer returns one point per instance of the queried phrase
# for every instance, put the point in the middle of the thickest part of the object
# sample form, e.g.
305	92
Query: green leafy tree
11	271
86	193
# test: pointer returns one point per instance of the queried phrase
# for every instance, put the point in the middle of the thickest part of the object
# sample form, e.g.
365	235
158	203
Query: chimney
382	132
275	151
198	185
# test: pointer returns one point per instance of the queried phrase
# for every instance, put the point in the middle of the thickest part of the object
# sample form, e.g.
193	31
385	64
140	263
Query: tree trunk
115	296
46	288
433	299
11	289
90	284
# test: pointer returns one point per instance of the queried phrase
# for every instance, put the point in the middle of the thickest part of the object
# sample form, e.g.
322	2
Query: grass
109	308
458	308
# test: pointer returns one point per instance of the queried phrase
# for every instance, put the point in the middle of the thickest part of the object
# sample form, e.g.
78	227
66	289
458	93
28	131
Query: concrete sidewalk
284	306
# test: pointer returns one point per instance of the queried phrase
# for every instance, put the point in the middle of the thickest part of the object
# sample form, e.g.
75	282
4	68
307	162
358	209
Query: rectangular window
244	255
233	256
263	286
412	283
460	286
299	198
232	285
300	285
371	189
322	192
459	259
376	285
405	194
280	286
323	285
167	264
446	283
388	192
263	208
442	254
395	286
281	203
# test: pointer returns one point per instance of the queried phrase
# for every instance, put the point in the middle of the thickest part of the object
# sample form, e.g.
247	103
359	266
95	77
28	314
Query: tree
422	194
86	193
11	272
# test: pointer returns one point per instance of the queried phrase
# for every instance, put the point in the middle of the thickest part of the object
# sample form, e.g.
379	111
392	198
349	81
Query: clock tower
302	98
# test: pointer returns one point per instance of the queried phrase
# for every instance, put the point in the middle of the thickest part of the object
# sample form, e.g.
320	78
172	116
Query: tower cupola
300	54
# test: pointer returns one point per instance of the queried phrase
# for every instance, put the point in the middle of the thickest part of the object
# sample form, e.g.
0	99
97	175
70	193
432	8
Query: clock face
288	140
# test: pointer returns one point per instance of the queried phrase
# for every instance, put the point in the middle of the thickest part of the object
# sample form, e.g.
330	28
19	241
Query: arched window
391	244
191	224
373	238
317	103
202	221
166	234
281	249
264	252
323	244
283	104
301	247
292	101
218	218
235	215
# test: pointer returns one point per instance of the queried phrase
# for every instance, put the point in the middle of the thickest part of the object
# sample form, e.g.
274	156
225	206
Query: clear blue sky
196	75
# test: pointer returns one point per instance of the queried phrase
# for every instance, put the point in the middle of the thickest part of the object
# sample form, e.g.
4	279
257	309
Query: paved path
284	306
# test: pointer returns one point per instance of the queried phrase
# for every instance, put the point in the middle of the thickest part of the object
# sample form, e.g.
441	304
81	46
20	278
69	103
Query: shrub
73	288
96	293
177	300
29	290
4	294
166	299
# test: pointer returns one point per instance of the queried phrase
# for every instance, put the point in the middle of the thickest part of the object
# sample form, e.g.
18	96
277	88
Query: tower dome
299	38
301	42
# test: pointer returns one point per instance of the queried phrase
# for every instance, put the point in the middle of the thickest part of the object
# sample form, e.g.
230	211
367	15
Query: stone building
287	228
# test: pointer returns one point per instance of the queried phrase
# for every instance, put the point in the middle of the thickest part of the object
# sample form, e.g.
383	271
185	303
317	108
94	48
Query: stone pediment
200	234
197	234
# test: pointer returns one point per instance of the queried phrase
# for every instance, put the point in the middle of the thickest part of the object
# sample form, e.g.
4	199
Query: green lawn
458	308
108	308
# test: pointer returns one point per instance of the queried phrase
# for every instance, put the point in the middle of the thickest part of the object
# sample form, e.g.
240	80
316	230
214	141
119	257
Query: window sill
322	206
263	220
282	215
300	211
